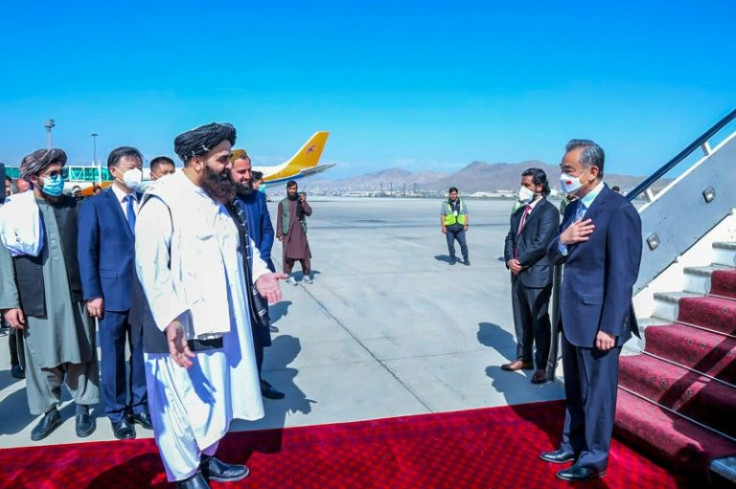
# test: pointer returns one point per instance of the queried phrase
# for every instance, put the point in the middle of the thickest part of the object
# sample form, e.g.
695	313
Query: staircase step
710	312
724	253
723	282
666	304
677	442
698	279
706	352
705	400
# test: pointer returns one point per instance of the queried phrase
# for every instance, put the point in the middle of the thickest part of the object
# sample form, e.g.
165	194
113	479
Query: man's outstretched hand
268	286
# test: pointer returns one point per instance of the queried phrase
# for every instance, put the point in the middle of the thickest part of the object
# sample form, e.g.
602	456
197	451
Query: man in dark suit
533	226
107	263
253	203
600	244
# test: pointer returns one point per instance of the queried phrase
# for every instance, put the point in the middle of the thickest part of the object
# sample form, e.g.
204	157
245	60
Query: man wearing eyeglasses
41	295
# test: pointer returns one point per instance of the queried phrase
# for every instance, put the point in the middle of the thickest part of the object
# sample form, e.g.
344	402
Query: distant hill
478	176
385	180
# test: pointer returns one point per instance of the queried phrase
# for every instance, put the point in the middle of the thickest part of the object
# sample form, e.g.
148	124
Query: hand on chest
595	229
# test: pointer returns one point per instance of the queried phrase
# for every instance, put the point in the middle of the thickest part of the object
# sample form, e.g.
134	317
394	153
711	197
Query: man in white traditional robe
199	358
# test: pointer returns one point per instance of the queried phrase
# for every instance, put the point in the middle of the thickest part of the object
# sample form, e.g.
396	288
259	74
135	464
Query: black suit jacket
531	244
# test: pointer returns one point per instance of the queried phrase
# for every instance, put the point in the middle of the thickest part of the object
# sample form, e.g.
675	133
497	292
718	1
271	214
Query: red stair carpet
669	376
496	448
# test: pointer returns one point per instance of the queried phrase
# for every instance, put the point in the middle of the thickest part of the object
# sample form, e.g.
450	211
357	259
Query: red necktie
526	213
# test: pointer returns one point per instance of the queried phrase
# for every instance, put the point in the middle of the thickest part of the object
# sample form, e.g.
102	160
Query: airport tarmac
388	327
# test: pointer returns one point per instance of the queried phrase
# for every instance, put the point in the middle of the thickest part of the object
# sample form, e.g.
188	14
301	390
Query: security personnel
454	222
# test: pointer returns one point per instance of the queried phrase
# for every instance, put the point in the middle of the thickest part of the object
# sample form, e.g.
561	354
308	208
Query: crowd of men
178	278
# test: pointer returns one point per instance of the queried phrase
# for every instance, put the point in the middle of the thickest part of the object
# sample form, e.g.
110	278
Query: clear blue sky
421	85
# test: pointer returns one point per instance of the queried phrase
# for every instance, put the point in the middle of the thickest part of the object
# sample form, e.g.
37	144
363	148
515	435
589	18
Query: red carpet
673	439
494	448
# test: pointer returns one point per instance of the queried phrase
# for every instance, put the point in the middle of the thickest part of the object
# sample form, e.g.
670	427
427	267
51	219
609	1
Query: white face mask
525	195
133	178
570	184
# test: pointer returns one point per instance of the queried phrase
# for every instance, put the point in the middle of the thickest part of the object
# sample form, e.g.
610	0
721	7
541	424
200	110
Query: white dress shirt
122	199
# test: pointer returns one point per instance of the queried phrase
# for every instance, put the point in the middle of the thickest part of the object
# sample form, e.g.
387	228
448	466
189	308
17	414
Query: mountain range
478	176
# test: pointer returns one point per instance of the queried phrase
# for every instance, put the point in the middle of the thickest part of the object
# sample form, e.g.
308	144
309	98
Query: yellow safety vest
451	218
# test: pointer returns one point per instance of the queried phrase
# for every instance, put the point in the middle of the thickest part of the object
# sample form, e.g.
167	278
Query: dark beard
219	187
292	197
244	190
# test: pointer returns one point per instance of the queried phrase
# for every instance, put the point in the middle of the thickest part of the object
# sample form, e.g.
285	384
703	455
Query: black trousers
15	342
258	347
261	339
531	321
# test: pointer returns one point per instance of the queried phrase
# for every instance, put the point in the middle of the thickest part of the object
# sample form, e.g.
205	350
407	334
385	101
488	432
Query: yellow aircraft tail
307	157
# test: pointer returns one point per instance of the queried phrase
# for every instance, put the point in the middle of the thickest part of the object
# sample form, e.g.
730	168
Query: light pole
50	124
94	156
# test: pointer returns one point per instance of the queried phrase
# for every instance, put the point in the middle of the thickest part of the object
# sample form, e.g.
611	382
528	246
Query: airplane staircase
677	396
677	386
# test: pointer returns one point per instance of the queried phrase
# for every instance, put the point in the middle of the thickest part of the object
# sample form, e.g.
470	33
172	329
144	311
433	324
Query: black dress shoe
143	419
558	457
517	365
273	329
269	392
85	424
197	481
17	372
123	430
539	377
50	421
576	473
216	470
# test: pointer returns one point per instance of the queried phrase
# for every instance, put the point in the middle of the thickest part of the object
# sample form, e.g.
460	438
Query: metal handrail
677	413
643	186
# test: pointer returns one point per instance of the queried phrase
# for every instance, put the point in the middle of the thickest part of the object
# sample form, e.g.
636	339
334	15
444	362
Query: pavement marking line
368	350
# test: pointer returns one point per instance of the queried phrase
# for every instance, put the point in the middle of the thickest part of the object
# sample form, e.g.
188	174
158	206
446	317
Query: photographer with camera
291	230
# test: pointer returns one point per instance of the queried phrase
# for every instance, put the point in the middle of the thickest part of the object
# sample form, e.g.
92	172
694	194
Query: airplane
302	165
305	163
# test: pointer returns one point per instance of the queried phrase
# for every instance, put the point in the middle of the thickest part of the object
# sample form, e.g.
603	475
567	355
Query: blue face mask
53	186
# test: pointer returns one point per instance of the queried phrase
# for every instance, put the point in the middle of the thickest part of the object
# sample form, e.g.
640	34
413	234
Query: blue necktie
580	211
131	213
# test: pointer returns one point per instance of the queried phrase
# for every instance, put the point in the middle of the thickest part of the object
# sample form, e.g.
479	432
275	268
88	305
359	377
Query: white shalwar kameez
191	409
